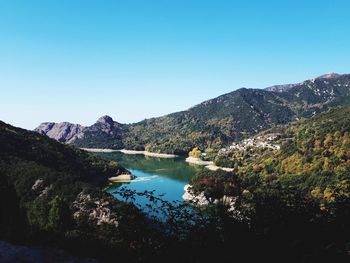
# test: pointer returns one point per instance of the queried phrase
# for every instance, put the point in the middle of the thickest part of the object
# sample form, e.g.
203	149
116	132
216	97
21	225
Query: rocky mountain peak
105	120
330	75
281	88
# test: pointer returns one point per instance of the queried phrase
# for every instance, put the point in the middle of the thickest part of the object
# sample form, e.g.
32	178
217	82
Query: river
166	176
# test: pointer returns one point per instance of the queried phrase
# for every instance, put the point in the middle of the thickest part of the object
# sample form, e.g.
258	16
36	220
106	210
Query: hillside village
268	141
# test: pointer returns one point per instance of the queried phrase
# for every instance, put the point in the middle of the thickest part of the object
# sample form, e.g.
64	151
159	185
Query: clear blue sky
77	60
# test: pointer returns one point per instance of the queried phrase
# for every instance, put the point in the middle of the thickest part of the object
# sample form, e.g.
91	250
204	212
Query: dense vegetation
307	180
216	184
216	123
314	157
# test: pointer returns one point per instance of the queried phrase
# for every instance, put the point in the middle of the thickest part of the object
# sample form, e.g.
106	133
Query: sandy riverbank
122	178
97	150
208	164
146	153
198	161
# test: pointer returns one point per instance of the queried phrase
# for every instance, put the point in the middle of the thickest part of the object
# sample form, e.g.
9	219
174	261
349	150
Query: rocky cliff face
105	133
105	124
63	132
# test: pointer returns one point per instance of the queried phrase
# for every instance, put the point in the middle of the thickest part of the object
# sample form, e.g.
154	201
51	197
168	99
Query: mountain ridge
218	121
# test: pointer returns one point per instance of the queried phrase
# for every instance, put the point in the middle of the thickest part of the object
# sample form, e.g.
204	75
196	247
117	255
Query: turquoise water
164	176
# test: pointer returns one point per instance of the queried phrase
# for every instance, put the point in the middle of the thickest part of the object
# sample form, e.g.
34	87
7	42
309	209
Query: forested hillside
313	163
297	196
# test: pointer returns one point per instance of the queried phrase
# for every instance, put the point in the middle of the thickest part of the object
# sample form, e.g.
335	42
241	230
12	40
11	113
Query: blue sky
78	60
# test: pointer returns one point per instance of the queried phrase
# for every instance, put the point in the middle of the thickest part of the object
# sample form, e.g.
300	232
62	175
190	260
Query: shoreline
98	150
207	164
146	153
124	151
198	161
201	200
190	197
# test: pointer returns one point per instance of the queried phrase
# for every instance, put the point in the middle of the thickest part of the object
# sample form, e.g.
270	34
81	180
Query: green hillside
296	199
313	163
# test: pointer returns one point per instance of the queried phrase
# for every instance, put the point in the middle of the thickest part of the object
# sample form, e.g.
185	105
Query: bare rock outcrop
63	132
96	209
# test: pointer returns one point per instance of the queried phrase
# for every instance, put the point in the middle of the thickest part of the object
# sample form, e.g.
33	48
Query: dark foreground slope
50	194
214	123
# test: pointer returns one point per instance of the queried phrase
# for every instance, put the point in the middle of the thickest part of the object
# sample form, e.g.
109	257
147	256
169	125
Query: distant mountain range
213	123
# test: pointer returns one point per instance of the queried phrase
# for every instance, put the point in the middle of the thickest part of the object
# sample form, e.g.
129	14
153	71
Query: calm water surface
164	176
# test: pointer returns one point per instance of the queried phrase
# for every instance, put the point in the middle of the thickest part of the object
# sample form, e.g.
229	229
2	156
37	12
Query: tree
328	140
59	217
196	153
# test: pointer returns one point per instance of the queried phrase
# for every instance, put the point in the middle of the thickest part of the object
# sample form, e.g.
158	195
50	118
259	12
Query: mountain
217	122
105	133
